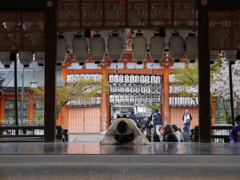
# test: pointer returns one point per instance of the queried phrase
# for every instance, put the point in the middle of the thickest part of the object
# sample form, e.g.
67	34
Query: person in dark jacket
133	117
153	137
168	135
157	121
186	135
150	123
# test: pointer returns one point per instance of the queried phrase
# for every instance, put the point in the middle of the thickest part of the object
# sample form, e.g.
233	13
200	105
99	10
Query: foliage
82	89
153	107
219	79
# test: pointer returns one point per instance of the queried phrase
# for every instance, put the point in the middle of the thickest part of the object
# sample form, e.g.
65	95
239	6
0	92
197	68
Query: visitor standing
187	118
157	121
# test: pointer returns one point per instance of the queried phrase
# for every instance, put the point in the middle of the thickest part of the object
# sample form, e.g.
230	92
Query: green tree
82	89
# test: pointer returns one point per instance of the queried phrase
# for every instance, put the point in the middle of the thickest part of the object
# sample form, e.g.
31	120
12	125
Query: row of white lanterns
178	89
182	16
144	89
73	78
121	99
182	101
95	101
134	79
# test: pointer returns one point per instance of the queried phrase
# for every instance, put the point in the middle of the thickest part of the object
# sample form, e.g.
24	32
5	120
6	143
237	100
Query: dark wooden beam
204	75
50	73
22	5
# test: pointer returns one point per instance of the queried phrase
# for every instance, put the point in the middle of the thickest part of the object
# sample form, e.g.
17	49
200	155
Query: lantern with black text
157	48
176	45
115	48
139	48
191	43
97	48
61	50
80	49
26	57
76	16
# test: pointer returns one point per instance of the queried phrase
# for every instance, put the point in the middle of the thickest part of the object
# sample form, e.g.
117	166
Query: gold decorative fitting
204	2
49	3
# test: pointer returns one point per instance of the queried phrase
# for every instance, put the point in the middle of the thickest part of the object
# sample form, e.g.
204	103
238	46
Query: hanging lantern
165	14
133	16
115	48
6	43
76	16
26	58
145	15
39	53
176	44
63	16
80	49
148	34
220	32
17	34
34	33
95	15
61	50
214	43
3	31
230	55
139	48
111	15
182	14
97	48
157	48
105	36
191	43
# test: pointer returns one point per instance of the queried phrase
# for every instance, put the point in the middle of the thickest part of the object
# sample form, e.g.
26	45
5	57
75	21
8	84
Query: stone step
118	167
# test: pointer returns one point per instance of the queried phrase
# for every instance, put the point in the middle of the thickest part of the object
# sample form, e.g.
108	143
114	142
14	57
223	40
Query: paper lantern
145	15
139	48
126	78
213	43
97	48
76	16
105	36
182	14
111	15
95	15
157	48
115	48
80	49
133	16
3	31
231	55
191	43
165	14
6	43
136	79
61	50
63	16
148	34
26	58
39	51
176	44
34	33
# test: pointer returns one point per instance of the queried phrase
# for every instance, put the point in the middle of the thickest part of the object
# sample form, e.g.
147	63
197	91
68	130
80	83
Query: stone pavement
85	137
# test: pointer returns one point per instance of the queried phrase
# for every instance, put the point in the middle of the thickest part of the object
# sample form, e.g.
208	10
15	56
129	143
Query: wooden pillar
203	74
50	72
104	122
166	109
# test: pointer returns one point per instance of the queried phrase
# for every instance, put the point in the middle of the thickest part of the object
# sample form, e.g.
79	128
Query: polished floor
60	148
